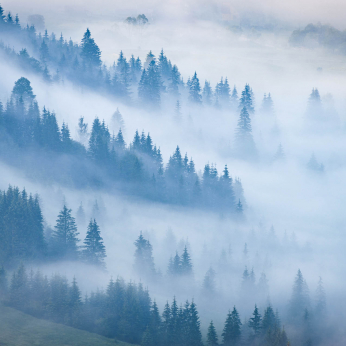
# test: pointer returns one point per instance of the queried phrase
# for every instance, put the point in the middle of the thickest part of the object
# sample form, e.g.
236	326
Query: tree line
138	166
125	311
23	237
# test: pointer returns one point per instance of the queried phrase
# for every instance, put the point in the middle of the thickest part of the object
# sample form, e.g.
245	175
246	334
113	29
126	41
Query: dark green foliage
21	227
150	85
64	239
232	330
94	252
91	53
212	339
22	89
255	323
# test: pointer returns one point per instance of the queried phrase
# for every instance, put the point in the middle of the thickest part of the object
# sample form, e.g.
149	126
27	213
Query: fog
305	208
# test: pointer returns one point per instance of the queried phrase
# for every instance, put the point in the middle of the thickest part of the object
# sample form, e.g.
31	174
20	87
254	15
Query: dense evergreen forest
98	160
136	168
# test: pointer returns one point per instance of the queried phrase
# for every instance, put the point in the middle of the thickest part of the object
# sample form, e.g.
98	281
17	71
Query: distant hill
320	35
19	329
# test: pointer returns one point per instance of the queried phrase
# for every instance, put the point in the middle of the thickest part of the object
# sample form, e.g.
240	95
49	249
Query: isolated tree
65	235
94	252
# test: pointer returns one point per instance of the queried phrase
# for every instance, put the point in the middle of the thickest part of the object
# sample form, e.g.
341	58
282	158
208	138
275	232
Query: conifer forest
173	173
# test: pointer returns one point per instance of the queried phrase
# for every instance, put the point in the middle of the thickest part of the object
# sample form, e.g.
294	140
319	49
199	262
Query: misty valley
171	181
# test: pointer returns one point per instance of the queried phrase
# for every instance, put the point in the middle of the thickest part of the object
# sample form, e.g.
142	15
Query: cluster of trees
63	242
138	166
82	63
140	20
319	34
22	236
21	227
261	331
126	312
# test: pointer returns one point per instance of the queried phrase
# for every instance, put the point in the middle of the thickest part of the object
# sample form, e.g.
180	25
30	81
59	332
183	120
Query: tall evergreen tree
244	143
90	53
212	339
144	262
232	330
195	90
94	251
65	235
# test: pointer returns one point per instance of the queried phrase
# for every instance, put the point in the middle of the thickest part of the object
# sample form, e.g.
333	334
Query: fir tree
65	235
232	330
186	265
94	251
144	262
244	143
255	322
212	339
91	53
195	90
246	100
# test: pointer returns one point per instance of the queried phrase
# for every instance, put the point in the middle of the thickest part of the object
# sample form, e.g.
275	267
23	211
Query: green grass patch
19	329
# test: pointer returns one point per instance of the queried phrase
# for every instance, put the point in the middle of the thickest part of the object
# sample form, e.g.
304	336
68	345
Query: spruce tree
94	251
65	241
186	265
244	143
246	100
300	300
195	90
144	262
91	53
212	339
255	322
232	330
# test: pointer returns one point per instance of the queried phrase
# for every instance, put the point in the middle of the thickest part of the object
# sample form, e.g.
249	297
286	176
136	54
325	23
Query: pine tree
94	251
255	322
65	235
269	322
174	82
22	89
212	339
246	100
209	281
232	330
207	93
186	265
300	299
144	262
91	53
244	143
195	90
321	305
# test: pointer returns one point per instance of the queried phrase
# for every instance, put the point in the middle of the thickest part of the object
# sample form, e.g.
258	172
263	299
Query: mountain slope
19	329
